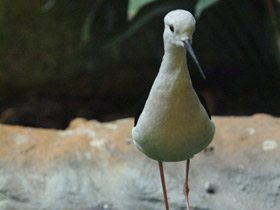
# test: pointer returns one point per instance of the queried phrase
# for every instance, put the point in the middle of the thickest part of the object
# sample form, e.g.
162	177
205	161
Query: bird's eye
171	27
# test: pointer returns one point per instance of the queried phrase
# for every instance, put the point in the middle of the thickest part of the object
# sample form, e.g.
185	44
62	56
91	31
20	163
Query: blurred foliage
201	5
145	15
134	6
95	58
48	5
37	48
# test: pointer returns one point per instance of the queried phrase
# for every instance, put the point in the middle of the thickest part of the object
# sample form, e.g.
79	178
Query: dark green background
54	67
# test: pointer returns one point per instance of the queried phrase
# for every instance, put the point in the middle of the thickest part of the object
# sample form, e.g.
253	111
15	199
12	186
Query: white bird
174	125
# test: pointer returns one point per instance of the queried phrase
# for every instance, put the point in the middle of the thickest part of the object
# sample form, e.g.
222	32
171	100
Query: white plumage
173	125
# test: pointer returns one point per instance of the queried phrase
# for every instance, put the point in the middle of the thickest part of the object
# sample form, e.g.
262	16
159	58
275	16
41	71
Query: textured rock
94	166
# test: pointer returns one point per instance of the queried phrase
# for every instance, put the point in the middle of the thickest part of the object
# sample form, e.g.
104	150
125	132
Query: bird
174	122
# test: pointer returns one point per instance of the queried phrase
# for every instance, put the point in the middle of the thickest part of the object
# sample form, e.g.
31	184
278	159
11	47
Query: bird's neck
175	60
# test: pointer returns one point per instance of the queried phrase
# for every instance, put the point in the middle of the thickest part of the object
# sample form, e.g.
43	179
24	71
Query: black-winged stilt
174	124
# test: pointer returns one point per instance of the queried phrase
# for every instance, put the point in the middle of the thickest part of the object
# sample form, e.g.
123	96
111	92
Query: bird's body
173	125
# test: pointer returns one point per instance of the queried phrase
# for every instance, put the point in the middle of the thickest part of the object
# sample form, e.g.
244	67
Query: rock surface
94	166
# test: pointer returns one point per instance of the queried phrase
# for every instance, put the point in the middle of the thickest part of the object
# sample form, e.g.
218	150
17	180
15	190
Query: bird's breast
173	125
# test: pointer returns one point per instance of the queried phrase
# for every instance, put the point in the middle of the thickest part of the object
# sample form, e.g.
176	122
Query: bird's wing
140	108
203	102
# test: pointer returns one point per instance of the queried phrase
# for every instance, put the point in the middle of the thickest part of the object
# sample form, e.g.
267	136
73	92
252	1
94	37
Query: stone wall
94	166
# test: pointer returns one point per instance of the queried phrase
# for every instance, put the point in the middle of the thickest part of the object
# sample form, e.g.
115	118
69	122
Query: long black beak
189	49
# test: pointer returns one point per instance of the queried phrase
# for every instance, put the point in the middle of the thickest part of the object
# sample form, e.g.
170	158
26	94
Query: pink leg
186	185
163	184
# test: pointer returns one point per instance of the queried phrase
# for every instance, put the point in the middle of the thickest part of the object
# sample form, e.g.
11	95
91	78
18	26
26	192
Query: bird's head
179	27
